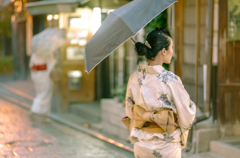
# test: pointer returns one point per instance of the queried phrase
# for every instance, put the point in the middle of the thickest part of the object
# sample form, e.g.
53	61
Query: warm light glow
18	6
49	17
13	18
113	142
100	137
120	145
56	17
84	19
82	42
76	74
96	23
86	125
75	22
74	41
110	141
83	34
14	153
61	21
30	149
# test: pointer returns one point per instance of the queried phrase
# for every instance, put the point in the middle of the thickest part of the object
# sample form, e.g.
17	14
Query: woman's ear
163	51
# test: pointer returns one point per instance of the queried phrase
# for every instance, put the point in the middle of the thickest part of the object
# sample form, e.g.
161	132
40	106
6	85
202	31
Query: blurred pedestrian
41	66
160	108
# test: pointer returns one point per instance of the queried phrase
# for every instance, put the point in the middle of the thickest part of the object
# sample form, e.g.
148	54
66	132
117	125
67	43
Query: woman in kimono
41	66
161	95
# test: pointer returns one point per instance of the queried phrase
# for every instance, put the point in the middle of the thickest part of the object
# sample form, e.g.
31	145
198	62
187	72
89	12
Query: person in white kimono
154	89
41	66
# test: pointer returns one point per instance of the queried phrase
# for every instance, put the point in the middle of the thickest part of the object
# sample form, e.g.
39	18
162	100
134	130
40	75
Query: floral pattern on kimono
154	88
157	154
167	76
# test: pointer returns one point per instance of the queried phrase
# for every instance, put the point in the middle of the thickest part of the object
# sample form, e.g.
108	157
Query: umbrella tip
87	71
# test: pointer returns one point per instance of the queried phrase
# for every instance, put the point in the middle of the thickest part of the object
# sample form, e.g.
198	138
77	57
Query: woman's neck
154	62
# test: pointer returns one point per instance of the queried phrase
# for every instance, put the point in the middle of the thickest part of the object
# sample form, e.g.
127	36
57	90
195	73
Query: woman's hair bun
141	49
157	40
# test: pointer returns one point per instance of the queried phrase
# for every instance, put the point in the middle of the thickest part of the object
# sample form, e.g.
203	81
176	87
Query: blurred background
206	35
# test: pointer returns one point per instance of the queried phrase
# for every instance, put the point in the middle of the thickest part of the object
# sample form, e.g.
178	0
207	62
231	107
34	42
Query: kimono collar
156	69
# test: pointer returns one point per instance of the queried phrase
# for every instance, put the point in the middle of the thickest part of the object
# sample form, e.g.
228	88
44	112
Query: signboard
233	20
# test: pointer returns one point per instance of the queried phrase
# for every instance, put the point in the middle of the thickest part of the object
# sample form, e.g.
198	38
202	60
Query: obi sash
152	121
39	67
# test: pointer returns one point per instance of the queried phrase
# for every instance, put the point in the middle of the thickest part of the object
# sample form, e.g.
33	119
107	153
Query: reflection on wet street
23	137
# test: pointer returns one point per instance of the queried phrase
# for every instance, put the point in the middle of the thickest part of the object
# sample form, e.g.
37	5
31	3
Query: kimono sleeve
186	109
129	100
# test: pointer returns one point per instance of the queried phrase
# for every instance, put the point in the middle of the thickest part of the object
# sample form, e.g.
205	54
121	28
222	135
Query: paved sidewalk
24	89
25	138
22	94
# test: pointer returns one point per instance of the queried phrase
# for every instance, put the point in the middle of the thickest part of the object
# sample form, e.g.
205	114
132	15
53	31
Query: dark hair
157	39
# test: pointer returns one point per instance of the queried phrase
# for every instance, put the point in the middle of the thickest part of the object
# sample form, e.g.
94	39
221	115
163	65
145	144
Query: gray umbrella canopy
119	26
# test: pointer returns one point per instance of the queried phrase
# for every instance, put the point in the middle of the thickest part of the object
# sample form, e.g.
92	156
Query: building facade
208	63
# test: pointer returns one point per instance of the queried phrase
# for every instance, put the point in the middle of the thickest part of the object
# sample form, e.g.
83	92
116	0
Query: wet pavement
25	138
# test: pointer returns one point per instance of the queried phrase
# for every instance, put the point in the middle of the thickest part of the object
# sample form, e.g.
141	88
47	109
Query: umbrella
119	26
48	41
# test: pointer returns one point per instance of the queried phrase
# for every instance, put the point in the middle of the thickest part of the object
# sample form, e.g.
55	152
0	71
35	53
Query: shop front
80	19
71	82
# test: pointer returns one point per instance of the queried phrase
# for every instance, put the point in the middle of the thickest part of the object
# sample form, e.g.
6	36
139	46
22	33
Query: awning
53	6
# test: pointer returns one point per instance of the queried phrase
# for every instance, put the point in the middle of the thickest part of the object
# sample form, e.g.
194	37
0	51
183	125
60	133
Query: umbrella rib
133	40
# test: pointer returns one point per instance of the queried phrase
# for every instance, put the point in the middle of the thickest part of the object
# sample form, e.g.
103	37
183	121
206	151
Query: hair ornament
147	44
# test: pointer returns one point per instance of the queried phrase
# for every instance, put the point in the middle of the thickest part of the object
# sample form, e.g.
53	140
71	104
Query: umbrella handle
133	40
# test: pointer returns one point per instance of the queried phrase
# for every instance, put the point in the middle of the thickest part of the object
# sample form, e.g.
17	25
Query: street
25	138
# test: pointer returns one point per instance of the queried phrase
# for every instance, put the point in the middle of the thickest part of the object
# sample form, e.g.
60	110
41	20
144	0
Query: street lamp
55	17
49	17
18	6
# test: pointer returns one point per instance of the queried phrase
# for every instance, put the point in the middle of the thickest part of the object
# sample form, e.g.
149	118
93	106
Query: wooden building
228	107
20	58
208	62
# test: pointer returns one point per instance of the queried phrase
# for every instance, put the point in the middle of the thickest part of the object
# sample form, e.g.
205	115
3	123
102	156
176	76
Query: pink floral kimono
154	88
